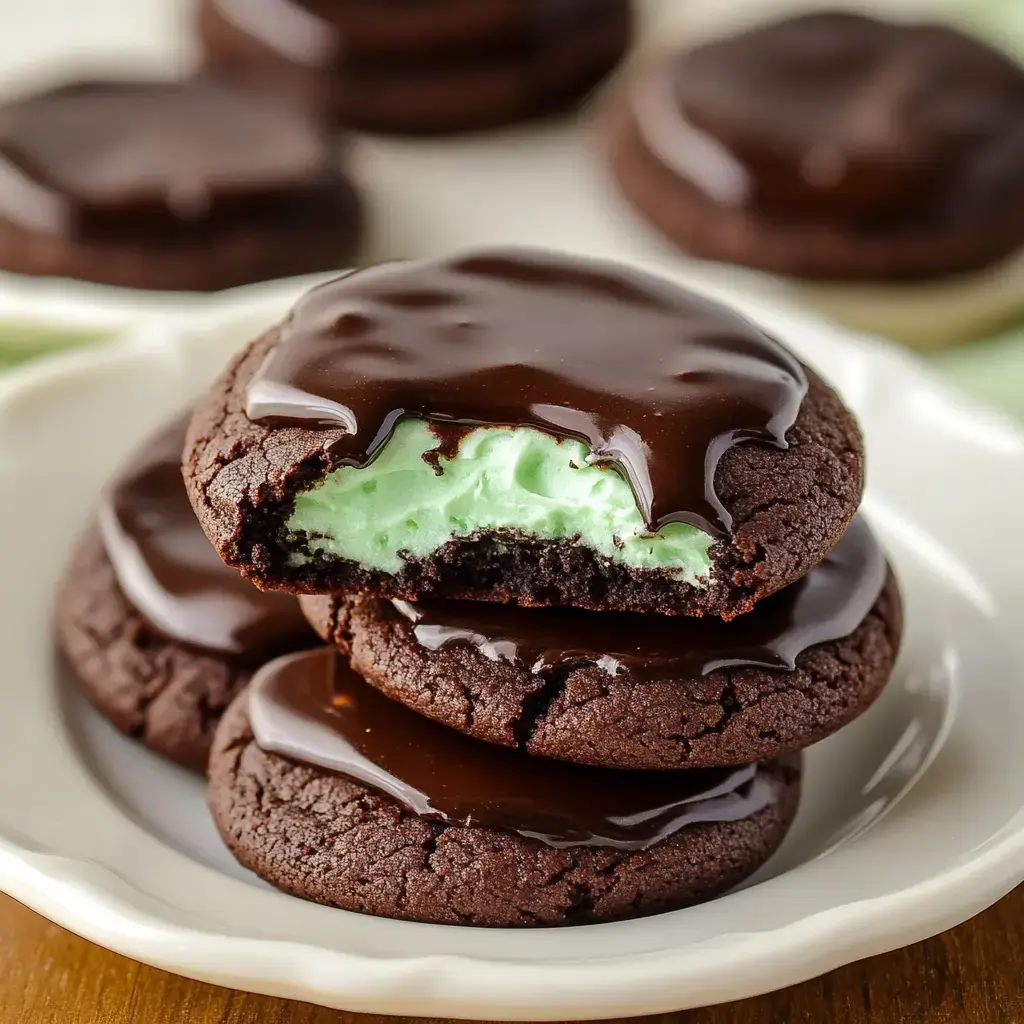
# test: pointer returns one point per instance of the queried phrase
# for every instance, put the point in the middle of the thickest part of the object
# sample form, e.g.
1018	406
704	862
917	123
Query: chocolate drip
171	574
657	381
840	117
313	708
827	604
144	159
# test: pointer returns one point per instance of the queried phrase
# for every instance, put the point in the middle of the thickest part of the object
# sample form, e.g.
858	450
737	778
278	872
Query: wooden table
971	975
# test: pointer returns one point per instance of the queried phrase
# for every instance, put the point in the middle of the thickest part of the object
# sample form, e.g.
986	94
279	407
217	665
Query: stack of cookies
241	173
582	548
873	164
190	185
159	631
440	66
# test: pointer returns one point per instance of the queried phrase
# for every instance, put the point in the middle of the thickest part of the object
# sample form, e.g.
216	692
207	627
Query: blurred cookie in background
174	185
419	68
878	162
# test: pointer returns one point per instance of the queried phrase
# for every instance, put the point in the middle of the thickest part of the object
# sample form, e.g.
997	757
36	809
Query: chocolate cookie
191	185
419	68
638	692
523	427
829	146
160	632
329	791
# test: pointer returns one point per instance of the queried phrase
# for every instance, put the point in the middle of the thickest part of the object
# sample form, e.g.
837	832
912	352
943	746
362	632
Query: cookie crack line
536	706
591	714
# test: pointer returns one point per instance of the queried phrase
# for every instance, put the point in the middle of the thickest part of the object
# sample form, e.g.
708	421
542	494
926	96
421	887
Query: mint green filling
519	480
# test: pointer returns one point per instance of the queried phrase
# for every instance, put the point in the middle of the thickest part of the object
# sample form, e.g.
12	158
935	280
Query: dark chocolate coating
161	692
159	631
427	69
842	117
830	145
658	382
788	507
631	713
345	33
160	184
319	835
312	707
829	603
170	573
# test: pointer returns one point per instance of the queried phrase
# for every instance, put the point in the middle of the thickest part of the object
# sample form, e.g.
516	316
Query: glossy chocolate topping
313	708
147	157
171	574
328	34
827	604
839	116
659	382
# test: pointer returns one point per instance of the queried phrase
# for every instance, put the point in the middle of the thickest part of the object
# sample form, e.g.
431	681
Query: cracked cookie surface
323	837
789	507
586	715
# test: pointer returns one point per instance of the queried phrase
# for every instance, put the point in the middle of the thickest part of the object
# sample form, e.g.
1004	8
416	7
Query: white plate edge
798	951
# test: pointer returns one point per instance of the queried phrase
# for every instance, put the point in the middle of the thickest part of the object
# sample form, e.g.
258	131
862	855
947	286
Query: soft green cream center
514	479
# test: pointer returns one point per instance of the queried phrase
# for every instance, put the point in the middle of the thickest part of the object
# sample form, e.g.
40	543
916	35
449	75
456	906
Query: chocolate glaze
156	158
171	574
837	116
326	35
314	708
827	604
659	382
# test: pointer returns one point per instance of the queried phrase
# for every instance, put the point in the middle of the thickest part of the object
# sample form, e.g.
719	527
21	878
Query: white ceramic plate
911	820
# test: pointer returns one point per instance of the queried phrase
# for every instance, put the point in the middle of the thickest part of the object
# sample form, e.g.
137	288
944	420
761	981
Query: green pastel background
23	340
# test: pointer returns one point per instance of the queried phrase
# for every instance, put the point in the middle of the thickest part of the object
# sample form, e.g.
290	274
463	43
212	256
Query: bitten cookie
192	186
638	692
523	427
829	146
160	632
419	68
331	792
